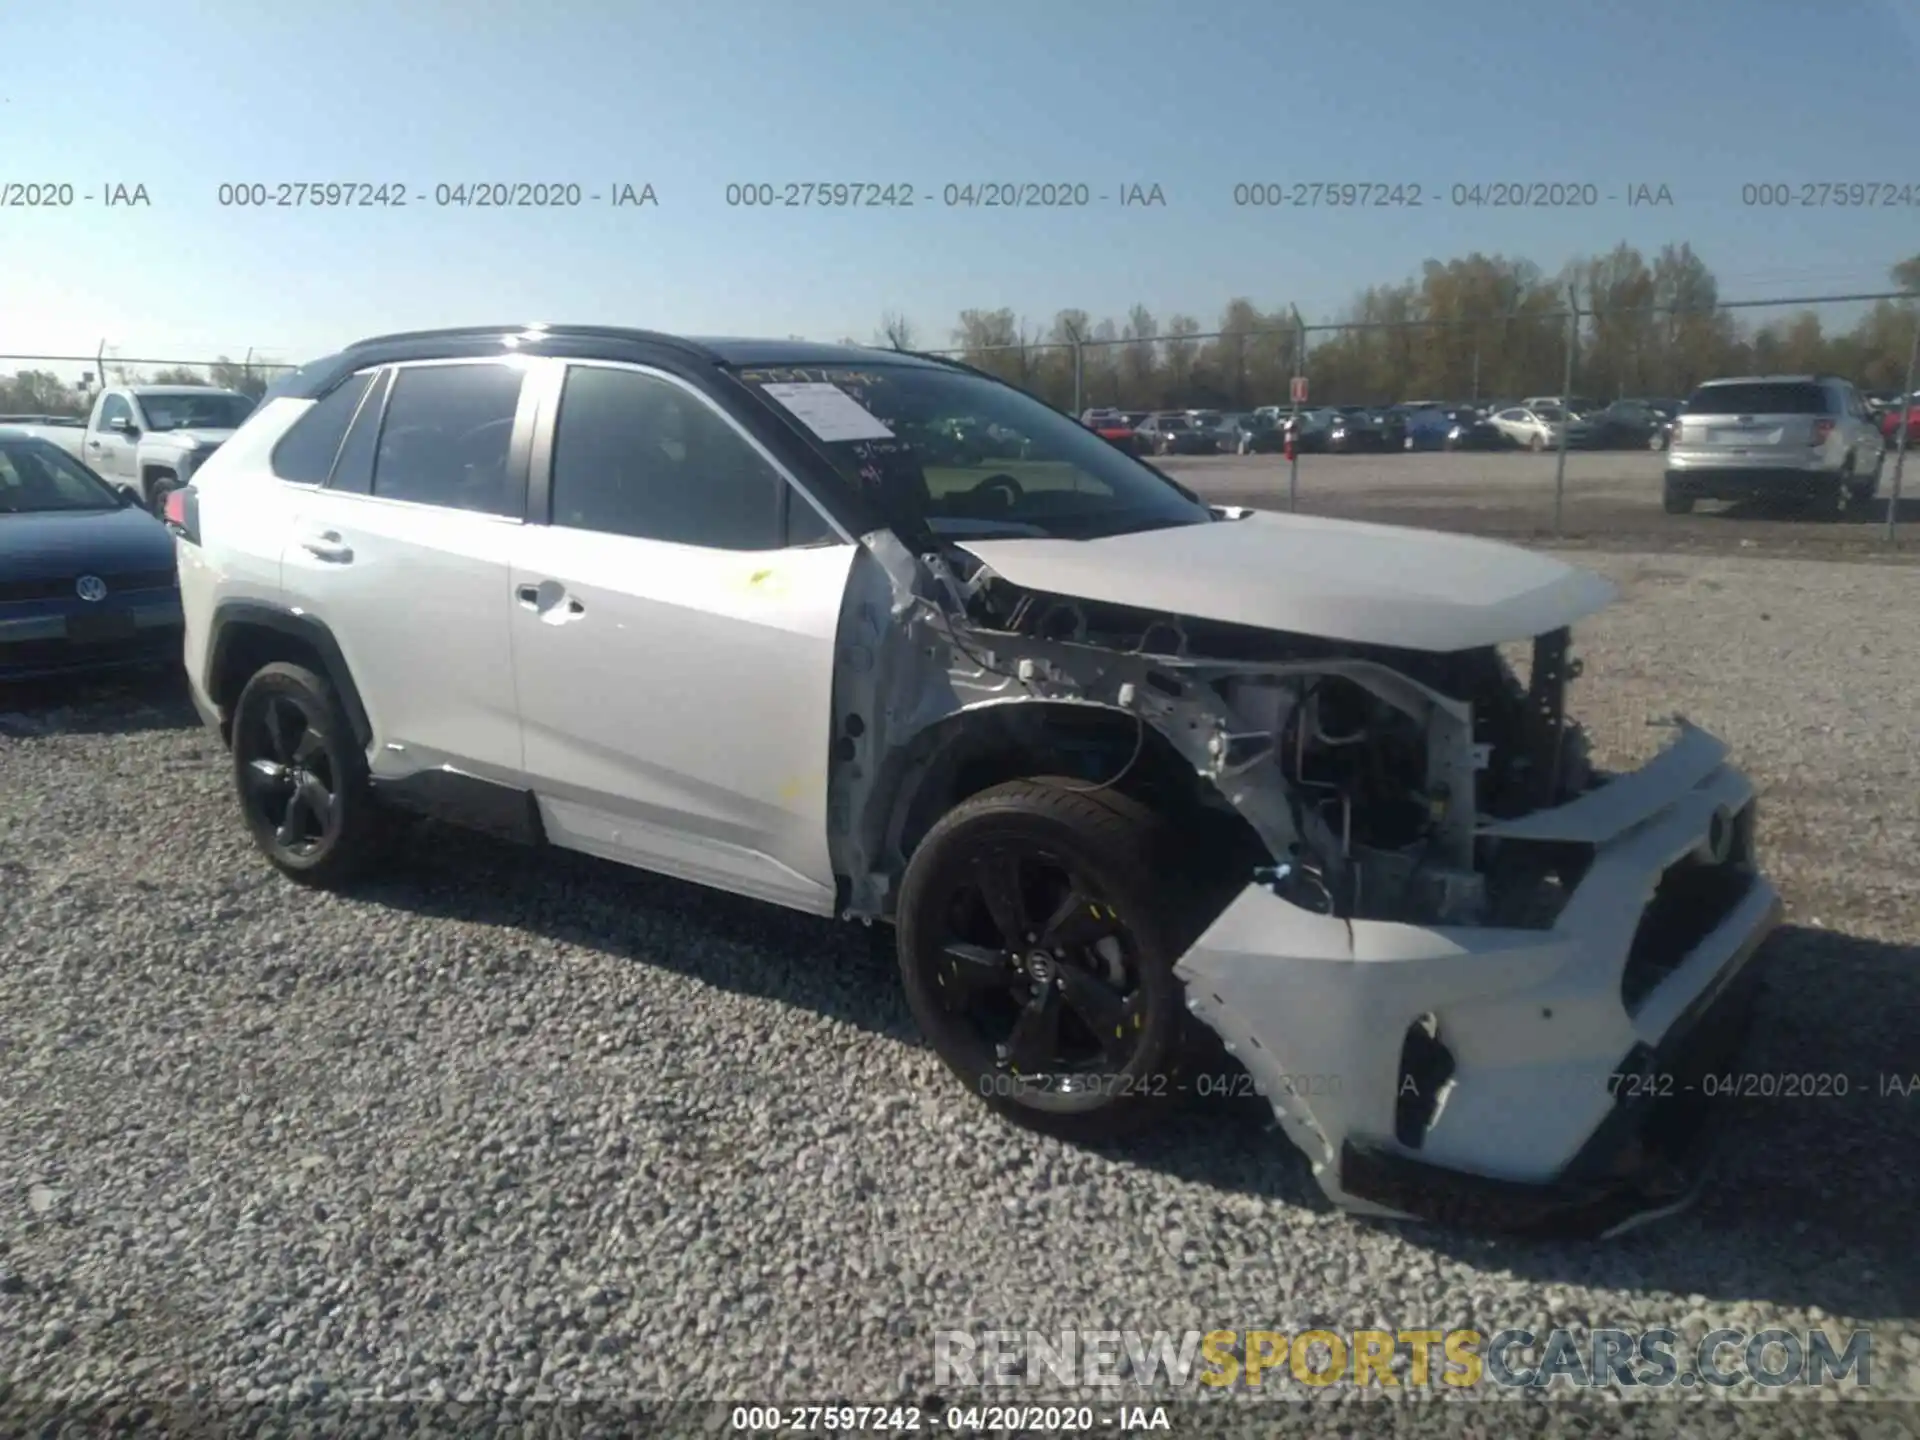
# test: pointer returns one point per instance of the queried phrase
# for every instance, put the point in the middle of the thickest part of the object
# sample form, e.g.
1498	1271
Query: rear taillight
182	513
1821	430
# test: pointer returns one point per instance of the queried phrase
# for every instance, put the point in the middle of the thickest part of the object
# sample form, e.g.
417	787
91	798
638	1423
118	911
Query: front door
674	655
110	451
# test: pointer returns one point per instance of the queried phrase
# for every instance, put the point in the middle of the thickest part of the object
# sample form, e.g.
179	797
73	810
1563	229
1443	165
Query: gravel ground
542	1126
1611	502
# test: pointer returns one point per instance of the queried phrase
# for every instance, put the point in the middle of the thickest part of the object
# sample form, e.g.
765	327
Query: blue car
1425	427
87	578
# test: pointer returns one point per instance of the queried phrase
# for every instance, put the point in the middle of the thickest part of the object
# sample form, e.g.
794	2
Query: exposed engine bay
1363	770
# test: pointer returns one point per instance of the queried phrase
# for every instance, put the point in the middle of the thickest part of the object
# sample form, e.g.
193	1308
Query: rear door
406	555
674	625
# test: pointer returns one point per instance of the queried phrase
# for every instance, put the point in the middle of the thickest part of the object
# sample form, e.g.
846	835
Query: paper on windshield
828	411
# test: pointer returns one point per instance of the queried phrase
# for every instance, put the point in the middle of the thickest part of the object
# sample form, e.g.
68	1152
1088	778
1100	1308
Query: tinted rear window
1774	399
447	439
305	453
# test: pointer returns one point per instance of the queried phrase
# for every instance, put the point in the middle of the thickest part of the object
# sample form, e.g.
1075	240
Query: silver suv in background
1807	438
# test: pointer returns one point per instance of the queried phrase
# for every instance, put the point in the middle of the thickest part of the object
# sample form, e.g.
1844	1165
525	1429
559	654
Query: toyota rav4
1140	785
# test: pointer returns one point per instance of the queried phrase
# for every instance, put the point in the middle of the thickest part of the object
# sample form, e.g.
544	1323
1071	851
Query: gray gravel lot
1612	501
539	1125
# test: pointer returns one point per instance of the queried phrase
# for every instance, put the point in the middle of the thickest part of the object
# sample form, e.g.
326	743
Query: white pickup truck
149	439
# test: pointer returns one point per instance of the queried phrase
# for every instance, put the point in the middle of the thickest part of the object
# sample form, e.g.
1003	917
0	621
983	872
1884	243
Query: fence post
100	364
1299	368
1079	403
1905	412
1566	414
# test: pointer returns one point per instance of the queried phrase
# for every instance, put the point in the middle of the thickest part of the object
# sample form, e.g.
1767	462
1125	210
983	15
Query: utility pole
1293	433
1907	406
1566	414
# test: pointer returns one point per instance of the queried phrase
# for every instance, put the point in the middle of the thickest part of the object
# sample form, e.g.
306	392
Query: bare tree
896	332
177	375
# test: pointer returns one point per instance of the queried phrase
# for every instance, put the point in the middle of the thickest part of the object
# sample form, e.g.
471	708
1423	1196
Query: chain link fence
1585	355
1589	356
66	385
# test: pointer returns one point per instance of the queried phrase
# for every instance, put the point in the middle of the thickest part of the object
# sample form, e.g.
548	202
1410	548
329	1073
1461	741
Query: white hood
196	436
1335	579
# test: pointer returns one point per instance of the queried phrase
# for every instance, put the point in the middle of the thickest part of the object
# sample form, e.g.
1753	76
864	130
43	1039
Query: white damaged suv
1135	780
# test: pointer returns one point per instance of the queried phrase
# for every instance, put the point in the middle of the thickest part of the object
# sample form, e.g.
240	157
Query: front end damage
1472	976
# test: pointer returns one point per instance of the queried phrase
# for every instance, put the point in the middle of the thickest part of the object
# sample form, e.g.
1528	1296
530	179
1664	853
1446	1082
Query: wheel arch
246	635
152	470
989	743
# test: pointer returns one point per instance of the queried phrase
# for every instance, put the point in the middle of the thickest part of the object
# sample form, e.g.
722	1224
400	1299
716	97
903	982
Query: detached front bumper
1534	1080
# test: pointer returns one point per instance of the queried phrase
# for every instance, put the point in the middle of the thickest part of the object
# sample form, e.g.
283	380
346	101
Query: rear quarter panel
243	522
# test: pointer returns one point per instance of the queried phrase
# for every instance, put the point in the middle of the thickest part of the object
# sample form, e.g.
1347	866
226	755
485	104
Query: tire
158	489
1674	500
1536	444
292	745
1833	498
979	1001
1865	490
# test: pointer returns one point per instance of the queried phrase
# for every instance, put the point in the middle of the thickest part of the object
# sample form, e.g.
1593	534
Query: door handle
328	545
555	613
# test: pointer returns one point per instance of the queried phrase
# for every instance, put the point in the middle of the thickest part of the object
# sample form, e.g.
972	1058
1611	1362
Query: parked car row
1534	423
1812	439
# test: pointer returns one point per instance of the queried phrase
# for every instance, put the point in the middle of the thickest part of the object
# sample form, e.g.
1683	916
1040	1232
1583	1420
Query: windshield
36	475
212	411
961	455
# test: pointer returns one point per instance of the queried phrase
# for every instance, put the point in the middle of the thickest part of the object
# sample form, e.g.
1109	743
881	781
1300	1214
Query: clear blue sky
1699	95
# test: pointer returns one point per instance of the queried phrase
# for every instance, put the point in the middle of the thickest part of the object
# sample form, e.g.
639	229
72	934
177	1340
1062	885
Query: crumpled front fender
1535	1025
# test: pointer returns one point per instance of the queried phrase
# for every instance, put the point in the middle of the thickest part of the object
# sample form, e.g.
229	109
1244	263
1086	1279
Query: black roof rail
605	332
948	361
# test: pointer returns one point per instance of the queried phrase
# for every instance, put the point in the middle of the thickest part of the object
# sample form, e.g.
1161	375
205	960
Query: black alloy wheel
1038	961
301	778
